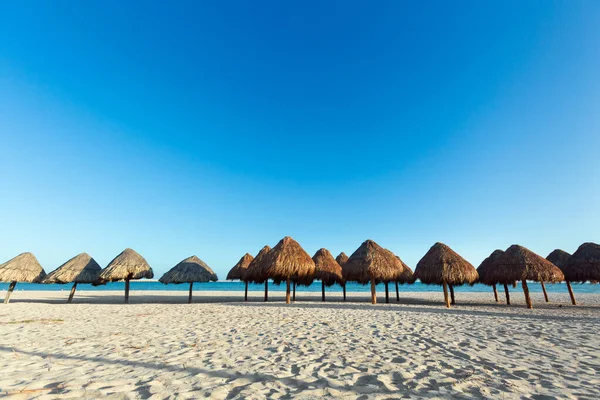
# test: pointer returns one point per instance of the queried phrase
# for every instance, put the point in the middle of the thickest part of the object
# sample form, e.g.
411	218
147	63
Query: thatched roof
442	264
288	260
342	258
584	264
192	269
518	263
407	275
240	269
486	268
128	264
23	268
256	272
327	268
80	269
371	261
559	258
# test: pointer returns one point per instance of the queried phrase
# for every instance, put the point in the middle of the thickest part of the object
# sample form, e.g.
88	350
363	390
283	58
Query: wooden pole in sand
246	292
267	290
544	290
287	291
446	299
526	291
344	289
322	291
452	295
387	293
373	292
72	292
190	295
127	290
294	295
11	287
495	292
507	294
571	293
397	293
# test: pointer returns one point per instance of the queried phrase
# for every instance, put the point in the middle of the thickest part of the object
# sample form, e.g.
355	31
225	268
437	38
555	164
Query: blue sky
214	128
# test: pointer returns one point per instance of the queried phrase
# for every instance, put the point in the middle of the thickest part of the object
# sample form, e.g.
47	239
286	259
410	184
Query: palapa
80	269
372	263
126	266
443	266
484	270
288	261
240	270
560	258
342	259
328	270
521	264
406	276
584	265
190	270
256	271
23	268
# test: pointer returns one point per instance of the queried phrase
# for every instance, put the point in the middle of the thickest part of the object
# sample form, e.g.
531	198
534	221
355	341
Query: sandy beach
222	348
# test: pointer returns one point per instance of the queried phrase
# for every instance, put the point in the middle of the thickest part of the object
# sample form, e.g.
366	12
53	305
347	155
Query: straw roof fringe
559	258
519	263
342	258
288	260
442	264
240	269
327	268
256	271
486	268
192	269
584	264
371	261
128	264
407	275
80	269
23	268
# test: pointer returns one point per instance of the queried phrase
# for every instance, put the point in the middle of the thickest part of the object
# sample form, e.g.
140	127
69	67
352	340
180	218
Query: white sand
97	347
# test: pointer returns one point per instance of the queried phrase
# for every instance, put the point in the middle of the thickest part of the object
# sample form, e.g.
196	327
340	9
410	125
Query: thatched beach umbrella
342	259
560	258
126	266
328	271
190	270
240	270
288	261
584	264
23	268
406	276
485	274
521	264
80	269
256	272
443	266
371	263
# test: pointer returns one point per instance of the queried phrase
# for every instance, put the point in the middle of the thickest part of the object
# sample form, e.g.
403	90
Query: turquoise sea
315	287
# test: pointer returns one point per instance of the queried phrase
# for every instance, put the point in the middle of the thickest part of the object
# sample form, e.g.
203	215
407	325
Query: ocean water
237	286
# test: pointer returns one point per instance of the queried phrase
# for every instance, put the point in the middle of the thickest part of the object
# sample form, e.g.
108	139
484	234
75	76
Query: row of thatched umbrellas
288	262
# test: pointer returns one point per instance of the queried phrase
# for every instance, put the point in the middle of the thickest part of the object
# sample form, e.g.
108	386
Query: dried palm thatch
288	261
190	270
407	276
126	266
443	266
342	259
484	269
584	264
328	271
80	269
240	269
23	268
256	271
560	258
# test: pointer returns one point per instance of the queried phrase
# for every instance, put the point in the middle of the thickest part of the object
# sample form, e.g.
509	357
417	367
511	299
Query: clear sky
216	127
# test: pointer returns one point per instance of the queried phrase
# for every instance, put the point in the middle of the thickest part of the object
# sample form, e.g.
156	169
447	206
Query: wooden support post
526	292
397	293
322	290
287	291
73	288
571	293
507	294
495	293
344	290
127	291
373	292
544	290
387	293
190	295
267	290
452	301
446	298
11	287
246	292
294	295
